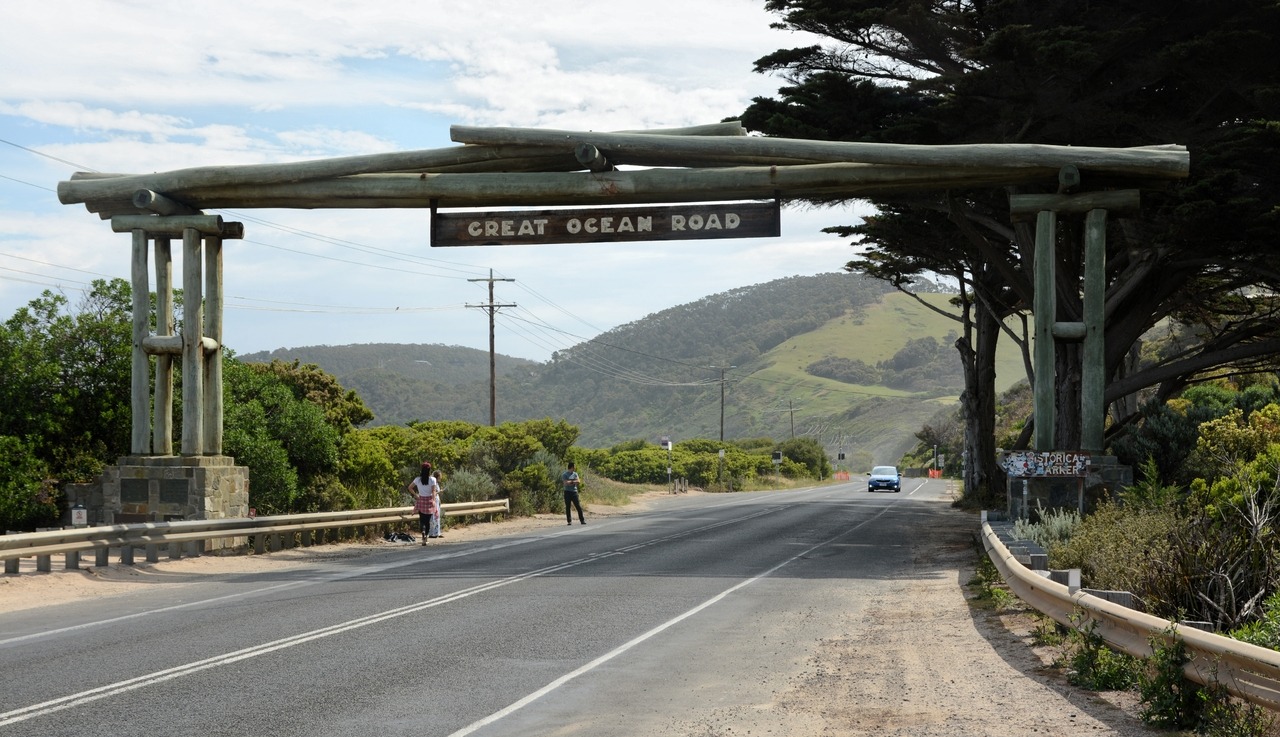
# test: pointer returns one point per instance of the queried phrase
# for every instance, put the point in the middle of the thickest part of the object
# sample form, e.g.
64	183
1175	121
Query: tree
65	377
26	499
343	408
285	441
808	453
1049	71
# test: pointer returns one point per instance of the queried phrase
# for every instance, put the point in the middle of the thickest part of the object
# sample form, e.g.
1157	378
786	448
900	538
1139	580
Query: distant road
629	625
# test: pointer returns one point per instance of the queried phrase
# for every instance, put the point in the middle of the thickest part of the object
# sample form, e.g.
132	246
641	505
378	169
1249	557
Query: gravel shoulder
928	660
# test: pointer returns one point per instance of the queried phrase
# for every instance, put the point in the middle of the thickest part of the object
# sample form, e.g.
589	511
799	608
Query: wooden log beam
1120	202
591	158
207	224
145	199
834	181
84	186
212	225
1170	162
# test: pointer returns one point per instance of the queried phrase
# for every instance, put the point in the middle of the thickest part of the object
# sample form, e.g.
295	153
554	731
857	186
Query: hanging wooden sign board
606	224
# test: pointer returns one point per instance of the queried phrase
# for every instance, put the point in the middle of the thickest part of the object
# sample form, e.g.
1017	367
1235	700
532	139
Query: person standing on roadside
438	516
571	483
425	491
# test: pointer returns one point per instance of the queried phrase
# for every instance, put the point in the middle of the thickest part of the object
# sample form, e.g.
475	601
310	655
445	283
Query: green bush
1055	527
1169	700
465	485
1095	666
531	490
26	501
1265	630
1107	545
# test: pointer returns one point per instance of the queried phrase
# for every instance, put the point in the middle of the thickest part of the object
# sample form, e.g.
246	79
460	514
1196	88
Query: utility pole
791	409
492	307
722	369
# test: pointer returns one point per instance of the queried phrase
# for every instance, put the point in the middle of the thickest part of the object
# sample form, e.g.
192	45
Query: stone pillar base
170	488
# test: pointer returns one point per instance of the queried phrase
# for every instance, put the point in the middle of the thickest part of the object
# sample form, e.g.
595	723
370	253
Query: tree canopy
1130	73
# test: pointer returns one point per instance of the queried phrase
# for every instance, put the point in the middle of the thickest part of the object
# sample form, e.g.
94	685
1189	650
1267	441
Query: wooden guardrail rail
150	535
1247	671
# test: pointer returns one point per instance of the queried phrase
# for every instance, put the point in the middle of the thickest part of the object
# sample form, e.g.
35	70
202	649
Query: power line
29	184
492	308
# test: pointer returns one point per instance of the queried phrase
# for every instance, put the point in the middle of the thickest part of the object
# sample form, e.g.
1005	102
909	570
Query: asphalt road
623	626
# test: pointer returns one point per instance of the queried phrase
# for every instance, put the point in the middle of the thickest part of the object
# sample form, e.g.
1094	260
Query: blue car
884	478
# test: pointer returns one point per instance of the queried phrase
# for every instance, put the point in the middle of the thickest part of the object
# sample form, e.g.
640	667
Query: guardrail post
72	562
274	542
101	557
287	540
43	563
126	555
306	538
175	551
11	565
153	553
1069	578
194	548
259	543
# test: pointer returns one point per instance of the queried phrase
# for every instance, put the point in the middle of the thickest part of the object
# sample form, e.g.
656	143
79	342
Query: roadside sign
695	221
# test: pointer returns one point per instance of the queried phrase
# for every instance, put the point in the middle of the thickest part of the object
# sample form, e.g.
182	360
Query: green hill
836	357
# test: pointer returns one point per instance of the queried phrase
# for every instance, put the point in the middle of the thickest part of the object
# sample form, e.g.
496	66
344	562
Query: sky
115	86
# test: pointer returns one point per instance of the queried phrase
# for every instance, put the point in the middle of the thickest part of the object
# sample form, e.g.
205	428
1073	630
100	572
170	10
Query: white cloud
122	89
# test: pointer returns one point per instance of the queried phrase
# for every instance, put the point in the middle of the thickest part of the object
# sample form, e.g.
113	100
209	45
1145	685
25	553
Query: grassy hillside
876	334
772	334
865	420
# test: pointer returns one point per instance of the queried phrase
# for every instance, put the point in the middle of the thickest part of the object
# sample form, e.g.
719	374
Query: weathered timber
101	187
175	225
1154	161
622	187
726	128
148	201
85	186
1122	202
591	158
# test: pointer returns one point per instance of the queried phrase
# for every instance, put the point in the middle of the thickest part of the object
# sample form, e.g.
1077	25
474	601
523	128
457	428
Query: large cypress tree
1119	73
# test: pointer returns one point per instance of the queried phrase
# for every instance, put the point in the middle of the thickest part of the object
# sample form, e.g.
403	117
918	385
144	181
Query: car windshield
884	471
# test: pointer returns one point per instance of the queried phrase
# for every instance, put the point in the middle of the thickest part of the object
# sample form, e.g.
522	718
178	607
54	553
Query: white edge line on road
314	578
85	697
562	680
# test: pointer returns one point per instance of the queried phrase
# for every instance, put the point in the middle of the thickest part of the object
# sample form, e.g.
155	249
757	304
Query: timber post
199	346
152	483
1094	206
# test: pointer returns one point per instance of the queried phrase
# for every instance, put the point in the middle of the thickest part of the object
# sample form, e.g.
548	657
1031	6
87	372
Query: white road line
562	680
132	684
113	689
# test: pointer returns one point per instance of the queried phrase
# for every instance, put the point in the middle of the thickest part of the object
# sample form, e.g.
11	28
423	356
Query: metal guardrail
1247	671
150	535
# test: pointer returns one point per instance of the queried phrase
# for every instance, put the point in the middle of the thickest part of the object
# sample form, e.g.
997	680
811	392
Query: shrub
26	501
466	485
1265	630
1055	526
1169	700
1108	544
1095	666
